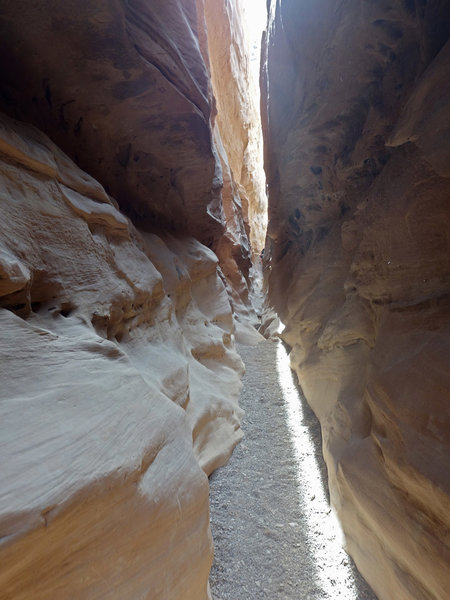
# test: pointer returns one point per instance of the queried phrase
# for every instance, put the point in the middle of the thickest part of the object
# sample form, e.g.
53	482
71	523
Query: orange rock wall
118	375
132	104
237	125
356	120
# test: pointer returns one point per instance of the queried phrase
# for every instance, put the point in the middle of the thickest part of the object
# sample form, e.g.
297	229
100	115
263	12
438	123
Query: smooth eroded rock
356	126
119	389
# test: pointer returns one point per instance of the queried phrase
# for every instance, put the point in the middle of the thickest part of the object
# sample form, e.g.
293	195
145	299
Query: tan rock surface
357	158
132	104
237	140
119	381
118	325
123	89
237	123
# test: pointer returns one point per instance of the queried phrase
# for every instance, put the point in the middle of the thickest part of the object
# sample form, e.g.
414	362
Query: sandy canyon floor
274	533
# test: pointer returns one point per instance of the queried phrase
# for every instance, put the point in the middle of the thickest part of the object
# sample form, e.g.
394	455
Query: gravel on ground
269	512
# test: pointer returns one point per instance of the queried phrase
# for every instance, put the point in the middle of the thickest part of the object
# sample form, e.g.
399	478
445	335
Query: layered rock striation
132	103
119	389
356	120
238	139
238	123
119	378
123	89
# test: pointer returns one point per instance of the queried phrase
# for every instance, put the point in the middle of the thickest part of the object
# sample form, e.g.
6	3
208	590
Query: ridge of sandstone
124	278
119	385
356	123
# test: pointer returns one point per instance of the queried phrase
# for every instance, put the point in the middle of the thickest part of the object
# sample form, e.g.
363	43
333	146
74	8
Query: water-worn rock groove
269	507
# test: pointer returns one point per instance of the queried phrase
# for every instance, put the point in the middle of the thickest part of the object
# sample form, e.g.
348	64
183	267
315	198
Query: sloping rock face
119	379
123	89
131	103
238	139
358	261
237	125
119	385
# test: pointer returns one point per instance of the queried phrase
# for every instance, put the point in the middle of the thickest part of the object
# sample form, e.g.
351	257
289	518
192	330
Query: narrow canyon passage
271	522
154	155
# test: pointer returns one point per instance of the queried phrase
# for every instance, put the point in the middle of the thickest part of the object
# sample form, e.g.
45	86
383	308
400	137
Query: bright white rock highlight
325	534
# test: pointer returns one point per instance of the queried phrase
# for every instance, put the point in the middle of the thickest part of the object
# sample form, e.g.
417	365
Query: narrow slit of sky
255	18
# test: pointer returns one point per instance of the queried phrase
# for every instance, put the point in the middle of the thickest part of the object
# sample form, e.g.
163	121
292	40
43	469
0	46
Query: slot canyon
182	185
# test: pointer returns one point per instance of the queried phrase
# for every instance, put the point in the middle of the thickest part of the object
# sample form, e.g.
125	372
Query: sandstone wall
237	125
358	261
119	385
237	137
119	379
124	88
